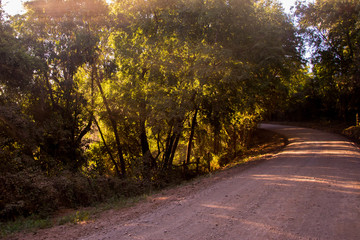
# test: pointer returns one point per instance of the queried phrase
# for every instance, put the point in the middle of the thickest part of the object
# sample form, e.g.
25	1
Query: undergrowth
104	194
24	224
75	216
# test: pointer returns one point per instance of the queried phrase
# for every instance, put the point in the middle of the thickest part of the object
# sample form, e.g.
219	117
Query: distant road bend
310	190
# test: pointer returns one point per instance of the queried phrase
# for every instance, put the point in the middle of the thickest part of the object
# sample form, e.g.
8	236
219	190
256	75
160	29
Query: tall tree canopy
139	89
332	29
152	83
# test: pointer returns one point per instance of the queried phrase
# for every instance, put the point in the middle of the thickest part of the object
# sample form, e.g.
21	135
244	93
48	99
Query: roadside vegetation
106	101
262	144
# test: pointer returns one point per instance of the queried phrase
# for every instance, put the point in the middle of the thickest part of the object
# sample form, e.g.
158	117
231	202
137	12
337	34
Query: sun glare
13	7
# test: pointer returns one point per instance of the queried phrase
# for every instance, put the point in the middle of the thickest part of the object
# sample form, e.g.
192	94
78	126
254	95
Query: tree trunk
148	160
216	139
84	131
235	140
108	149
169	142
87	128
173	150
168	151
192	131
171	146
114	128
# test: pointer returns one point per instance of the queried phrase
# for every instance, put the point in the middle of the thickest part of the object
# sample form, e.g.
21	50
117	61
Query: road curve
310	190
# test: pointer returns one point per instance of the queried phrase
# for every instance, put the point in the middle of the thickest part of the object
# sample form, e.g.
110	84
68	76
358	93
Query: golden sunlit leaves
160	78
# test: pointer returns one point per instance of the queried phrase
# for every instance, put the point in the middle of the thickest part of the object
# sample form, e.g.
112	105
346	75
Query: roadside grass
70	216
24	224
264	142
75	218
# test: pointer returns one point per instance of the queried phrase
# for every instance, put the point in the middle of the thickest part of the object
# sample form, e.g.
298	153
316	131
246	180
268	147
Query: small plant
79	216
353	133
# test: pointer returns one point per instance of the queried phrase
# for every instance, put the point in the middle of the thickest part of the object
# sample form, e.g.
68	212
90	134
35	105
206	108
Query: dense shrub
353	133
26	193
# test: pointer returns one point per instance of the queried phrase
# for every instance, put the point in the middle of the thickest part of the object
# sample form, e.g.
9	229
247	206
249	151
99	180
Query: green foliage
148	91
166	73
16	66
28	193
332	29
77	217
23	224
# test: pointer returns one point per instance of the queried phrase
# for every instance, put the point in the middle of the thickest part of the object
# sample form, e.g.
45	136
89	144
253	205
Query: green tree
332	29
17	131
64	36
188	64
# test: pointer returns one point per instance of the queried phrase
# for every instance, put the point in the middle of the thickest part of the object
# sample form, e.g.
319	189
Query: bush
27	193
353	133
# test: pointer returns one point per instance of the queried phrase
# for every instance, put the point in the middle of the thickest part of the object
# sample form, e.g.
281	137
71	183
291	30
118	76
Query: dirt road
310	190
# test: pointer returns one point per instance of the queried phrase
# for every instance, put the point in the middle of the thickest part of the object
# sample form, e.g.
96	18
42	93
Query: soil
310	190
